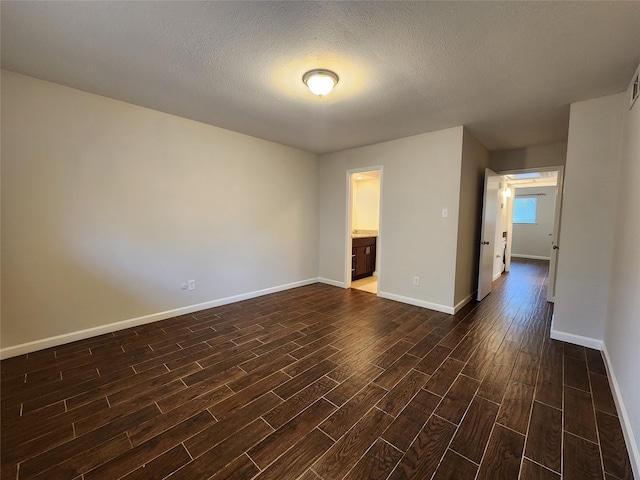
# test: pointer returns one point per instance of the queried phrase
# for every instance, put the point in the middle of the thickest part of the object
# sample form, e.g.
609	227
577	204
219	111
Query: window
524	210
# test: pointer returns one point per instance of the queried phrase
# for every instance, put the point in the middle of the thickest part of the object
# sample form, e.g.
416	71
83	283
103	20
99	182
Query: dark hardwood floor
320	383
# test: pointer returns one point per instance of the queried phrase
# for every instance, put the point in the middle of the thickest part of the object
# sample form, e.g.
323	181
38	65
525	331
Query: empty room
303	240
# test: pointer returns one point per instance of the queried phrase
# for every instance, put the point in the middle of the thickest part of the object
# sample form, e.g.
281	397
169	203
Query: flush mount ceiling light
320	81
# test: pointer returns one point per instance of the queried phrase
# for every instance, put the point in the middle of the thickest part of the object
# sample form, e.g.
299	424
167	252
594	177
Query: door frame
555	239
349	216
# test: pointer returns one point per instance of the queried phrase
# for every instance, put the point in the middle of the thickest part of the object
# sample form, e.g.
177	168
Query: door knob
484	243
556	247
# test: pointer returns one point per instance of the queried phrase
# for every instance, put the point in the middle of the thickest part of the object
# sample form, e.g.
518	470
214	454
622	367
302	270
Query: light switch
445	213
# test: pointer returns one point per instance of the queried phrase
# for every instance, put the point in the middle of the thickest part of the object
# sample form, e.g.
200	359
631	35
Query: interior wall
421	177
538	156
108	207
623	326
475	159
534	240
366	204
588	212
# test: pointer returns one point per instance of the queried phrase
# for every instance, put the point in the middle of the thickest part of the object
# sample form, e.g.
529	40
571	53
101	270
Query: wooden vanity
363	257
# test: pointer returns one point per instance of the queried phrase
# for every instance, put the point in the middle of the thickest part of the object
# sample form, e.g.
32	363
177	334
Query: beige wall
366	204
622	331
588	214
421	176
108	207
475	159
549	155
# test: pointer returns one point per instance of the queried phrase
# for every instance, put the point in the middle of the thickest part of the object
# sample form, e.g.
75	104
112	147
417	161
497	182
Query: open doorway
533	217
534	196
363	228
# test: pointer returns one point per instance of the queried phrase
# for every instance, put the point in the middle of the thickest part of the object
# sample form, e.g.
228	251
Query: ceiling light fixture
320	81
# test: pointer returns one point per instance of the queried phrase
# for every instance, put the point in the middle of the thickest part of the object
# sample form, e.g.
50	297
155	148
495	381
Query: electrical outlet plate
416	281
192	284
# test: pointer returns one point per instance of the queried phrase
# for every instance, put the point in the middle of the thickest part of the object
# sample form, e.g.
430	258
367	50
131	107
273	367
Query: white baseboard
532	257
35	345
335	283
408	300
576	339
463	302
417	303
629	437
496	276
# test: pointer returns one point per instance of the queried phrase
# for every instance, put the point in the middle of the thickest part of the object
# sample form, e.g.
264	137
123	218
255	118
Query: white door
488	232
555	240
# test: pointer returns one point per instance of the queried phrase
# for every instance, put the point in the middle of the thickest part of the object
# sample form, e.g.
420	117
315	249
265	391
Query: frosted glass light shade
320	82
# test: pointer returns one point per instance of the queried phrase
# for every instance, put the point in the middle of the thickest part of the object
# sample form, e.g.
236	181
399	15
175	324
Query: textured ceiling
507	70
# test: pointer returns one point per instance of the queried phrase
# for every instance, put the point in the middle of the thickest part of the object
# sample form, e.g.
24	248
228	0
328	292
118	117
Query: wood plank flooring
320	383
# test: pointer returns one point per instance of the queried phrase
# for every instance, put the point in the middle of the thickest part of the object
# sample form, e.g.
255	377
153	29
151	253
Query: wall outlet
192	284
445	212
416	281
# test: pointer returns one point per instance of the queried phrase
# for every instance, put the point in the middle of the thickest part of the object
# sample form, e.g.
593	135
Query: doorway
545	186
363	242
534	234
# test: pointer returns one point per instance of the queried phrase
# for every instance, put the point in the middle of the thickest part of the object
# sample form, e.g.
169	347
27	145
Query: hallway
323	383
572	426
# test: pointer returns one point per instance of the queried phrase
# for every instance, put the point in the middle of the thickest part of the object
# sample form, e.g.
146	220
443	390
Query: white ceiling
507	70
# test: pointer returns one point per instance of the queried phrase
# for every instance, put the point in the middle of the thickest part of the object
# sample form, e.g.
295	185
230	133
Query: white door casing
349	222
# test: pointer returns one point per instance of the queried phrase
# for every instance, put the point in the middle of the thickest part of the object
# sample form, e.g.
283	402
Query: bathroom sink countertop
364	233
